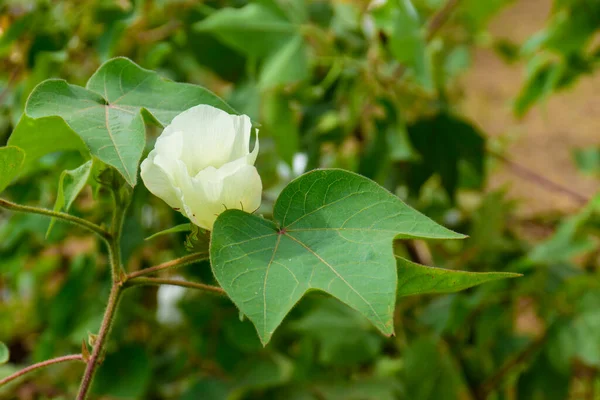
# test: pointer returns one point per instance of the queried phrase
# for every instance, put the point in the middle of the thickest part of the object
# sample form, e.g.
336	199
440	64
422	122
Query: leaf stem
106	236
179	262
158	281
93	362
57	360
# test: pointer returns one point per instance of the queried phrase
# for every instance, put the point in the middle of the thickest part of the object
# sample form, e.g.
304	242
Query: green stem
118	277
158	281
59	215
57	360
114	246
107	321
179	262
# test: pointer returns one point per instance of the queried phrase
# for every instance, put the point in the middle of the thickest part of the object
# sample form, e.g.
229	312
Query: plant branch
179	262
440	18
93	363
540	180
59	215
158	281
57	360
118	277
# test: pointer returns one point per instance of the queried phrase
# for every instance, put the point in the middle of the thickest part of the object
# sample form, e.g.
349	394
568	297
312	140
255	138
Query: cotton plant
331	230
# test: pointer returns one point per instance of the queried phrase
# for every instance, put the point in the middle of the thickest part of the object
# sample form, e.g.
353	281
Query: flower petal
242	189
208	137
243	130
159	183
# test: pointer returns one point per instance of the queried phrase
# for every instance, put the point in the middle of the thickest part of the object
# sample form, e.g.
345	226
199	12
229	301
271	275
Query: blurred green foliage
340	84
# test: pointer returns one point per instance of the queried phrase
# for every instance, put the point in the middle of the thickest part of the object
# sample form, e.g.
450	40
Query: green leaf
281	124
450	147
4	353
576	338
419	279
125	373
343	337
253	30
431	373
107	114
570	239
288	64
69	186
38	137
333	232
176	229
400	21
588	160
11	163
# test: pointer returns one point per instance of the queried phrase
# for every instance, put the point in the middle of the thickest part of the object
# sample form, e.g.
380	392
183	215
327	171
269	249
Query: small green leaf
38	137
333	232
570	239
400	21
69	186
107	114
4	353
178	228
280	123
11	163
288	64
253	30
419	279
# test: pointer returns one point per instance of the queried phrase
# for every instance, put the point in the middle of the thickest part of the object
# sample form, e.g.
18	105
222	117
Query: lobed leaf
333	232
107	114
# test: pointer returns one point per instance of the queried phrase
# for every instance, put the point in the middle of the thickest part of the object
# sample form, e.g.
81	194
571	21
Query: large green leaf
38	137
107	114
11	162
333	232
419	279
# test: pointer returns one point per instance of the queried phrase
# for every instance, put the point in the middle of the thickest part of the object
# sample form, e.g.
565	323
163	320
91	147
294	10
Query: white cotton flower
201	165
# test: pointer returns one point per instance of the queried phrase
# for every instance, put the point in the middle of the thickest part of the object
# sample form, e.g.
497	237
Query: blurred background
484	115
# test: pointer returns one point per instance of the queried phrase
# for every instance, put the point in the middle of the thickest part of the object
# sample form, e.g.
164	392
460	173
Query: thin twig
59	215
179	262
92	365
175	282
540	180
57	360
440	18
